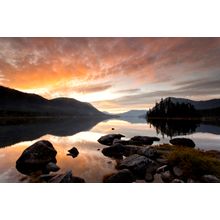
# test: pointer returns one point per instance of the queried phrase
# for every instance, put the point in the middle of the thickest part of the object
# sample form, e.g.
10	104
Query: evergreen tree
168	109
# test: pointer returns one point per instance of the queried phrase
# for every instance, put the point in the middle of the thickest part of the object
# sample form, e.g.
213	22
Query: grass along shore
194	163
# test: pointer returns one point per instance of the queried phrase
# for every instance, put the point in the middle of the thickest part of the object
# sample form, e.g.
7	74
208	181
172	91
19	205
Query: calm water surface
90	164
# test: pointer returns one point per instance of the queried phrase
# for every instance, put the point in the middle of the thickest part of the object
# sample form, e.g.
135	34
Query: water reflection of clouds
90	164
5	175
2	155
124	127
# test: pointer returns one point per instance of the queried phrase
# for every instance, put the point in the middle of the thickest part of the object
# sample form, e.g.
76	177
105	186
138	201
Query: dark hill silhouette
16	103
134	113
199	105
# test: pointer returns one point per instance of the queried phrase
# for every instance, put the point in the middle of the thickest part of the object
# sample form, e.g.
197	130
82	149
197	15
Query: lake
83	133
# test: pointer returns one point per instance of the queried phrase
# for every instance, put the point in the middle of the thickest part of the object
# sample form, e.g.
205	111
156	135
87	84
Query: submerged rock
109	138
210	179
123	176
66	178
36	157
182	142
73	152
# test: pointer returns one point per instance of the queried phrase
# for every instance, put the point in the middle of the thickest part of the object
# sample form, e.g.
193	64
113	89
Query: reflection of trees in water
173	128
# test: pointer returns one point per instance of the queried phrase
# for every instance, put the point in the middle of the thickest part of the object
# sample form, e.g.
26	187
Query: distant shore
30	119
202	119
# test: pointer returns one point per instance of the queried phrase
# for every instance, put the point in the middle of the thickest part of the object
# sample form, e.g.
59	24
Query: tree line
166	108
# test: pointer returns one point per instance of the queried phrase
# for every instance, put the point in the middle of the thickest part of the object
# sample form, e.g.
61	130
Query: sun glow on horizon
113	74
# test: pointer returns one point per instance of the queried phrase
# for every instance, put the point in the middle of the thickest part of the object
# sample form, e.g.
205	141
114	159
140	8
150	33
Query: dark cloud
128	91
91	88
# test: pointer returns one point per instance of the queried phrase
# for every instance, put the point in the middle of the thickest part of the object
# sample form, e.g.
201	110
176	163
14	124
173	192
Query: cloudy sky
114	74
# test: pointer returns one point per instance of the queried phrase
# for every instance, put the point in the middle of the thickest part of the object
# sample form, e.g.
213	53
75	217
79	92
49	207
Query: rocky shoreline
137	161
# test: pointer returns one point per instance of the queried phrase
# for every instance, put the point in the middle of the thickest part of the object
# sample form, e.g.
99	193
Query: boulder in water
73	152
183	142
36	157
109	138
144	140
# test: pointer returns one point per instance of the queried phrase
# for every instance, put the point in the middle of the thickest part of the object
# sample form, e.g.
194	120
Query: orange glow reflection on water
90	164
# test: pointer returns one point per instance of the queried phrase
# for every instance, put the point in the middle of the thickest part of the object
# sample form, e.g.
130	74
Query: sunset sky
114	74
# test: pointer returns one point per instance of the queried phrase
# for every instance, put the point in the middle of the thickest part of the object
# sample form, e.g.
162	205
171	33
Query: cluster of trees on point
166	108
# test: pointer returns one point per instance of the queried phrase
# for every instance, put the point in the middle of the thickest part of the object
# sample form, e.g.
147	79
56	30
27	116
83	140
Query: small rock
66	178
162	169
210	179
157	178
177	171
137	164
149	177
177	181
130	150
73	152
52	167
167	176
140	181
150	152
190	180
183	142
109	138
123	176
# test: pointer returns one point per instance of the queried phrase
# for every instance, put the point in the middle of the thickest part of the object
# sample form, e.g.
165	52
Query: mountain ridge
18	103
134	113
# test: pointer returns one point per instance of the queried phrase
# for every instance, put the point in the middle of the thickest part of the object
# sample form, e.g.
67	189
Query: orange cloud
63	66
